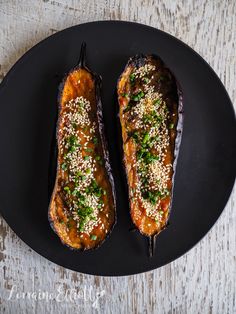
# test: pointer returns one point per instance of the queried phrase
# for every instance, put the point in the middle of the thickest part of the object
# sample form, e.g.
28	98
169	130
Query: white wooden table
204	279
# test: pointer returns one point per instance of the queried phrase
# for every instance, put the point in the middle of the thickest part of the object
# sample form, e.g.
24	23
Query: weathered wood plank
203	280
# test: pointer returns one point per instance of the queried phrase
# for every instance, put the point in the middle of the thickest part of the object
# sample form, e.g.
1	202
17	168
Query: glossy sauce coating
79	90
143	85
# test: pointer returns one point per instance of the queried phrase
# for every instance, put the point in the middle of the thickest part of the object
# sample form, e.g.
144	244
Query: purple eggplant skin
101	129
136	62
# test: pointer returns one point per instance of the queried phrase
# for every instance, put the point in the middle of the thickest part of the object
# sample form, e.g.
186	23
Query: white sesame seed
76	113
158	173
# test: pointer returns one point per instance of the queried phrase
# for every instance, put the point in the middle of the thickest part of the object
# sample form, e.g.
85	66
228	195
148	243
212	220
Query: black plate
206	166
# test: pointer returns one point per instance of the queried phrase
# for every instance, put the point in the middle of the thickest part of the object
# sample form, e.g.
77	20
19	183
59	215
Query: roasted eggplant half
82	206
151	120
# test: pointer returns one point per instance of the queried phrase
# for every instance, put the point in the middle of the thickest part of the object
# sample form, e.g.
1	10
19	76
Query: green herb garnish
74	193
146	138
132	78
67	189
94	189
124	94
152	197
93	237
152	117
88	150
73	143
165	193
146	156
95	140
128	107
138	96
134	135
64	166
85	212
157	102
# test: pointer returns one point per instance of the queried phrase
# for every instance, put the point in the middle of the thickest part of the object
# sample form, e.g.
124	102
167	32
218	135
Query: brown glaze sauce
81	82
164	84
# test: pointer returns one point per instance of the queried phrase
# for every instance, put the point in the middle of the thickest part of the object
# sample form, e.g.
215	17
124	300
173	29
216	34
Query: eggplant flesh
82	207
151	120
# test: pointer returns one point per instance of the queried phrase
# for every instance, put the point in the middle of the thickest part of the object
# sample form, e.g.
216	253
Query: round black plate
206	166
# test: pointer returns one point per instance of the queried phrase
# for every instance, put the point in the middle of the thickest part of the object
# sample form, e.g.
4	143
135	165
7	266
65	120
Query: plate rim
31	50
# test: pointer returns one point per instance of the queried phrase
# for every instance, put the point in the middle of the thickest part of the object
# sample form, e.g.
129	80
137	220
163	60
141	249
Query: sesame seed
76	133
139	118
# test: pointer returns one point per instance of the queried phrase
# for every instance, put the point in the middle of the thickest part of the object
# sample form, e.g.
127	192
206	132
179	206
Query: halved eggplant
151	120
82	208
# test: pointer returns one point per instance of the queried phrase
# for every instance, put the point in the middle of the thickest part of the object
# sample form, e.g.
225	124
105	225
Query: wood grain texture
201	281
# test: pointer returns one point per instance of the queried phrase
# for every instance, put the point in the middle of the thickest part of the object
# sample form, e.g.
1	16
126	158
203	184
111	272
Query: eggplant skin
130	86
59	214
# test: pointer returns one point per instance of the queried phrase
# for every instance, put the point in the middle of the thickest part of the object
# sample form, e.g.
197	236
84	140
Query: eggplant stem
82	56
151	245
